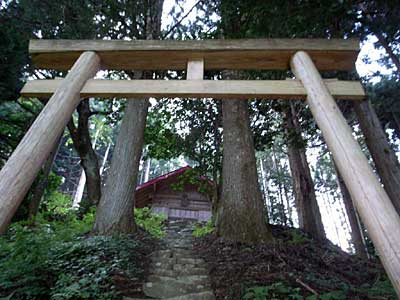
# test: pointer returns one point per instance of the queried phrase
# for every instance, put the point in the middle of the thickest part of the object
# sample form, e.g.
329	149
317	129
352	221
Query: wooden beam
376	210
22	167
195	69
268	89
333	54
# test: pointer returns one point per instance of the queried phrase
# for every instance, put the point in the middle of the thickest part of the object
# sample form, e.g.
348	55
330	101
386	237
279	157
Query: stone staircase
176	272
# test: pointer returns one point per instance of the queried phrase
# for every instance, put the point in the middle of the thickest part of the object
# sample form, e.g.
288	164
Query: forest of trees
287	174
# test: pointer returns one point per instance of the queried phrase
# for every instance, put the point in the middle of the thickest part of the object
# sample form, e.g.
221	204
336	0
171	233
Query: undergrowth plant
150	222
381	289
297	238
202	229
56	260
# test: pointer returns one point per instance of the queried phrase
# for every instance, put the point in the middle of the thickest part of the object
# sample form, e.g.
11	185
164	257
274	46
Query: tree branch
180	21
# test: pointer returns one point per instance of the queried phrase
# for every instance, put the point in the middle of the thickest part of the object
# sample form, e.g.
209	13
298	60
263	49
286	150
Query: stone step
161	253
171	288
189	270
162	265
180	246
176	272
180	267
176	238
164	260
164	272
183	252
190	261
188	279
180	240
168	252
182	272
129	298
179	232
206	295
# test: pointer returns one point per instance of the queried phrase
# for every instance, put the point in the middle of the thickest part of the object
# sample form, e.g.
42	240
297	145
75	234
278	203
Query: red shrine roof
162	178
145	191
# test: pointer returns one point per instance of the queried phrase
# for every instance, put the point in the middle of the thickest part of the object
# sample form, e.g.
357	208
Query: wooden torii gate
303	56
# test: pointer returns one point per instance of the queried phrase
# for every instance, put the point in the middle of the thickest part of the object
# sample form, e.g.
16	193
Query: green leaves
152	223
382	289
275	291
281	291
52	261
202	229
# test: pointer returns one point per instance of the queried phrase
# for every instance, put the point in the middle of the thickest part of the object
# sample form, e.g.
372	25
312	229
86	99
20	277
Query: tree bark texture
241	216
385	159
115	210
306	201
81	139
356	235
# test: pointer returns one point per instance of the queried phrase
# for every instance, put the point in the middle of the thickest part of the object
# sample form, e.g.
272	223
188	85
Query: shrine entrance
304	57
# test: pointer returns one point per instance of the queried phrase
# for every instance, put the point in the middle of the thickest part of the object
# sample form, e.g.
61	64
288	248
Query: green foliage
335	295
25	253
382	289
275	291
193	177
281	291
56	205
202	143
152	223
54	261
202	229
298	237
84	267
162	141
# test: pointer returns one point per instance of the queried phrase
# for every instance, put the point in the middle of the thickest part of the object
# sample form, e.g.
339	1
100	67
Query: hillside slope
294	267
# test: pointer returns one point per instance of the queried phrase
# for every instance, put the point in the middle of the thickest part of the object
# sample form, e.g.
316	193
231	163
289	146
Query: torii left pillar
21	169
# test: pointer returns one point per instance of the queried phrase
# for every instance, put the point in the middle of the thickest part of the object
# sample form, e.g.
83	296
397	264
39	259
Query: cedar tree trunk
241	215
385	159
306	201
356	235
115	210
115	213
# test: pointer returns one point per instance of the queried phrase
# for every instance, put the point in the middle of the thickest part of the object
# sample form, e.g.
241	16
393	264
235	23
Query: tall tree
357	237
115	210
82	142
380	18
240	214
306	200
385	159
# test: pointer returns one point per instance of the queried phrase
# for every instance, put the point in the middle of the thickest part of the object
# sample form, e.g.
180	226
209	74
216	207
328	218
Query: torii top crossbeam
304	57
256	54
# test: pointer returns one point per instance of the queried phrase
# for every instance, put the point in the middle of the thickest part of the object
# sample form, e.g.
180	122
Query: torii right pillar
373	204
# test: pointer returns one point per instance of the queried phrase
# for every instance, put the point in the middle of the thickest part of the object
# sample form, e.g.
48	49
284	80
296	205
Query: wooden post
373	204
22	167
195	69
